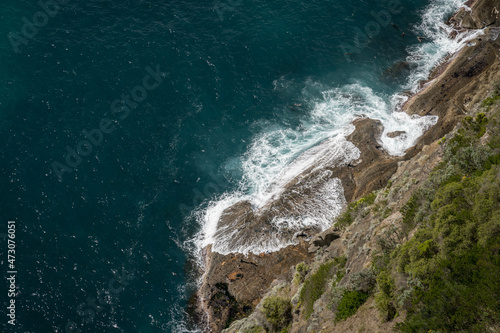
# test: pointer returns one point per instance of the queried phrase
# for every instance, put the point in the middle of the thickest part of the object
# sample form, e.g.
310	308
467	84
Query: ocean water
128	126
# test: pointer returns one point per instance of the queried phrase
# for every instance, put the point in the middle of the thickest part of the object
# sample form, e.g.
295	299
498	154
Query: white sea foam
210	216
437	44
278	155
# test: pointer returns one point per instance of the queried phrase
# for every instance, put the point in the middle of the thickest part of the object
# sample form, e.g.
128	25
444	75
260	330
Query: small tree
278	312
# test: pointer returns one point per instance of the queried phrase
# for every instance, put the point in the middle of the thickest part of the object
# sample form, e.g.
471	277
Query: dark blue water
103	241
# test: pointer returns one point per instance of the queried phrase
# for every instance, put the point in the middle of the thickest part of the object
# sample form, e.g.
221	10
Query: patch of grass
347	217
314	287
278	312
349	304
488	102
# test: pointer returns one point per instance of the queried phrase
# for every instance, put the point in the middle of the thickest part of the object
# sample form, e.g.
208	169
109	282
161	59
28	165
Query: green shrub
460	295
447	273
314	287
384	297
302	270
278	312
477	125
363	281
339	275
340	262
409	210
350	303
454	257
343	220
365	201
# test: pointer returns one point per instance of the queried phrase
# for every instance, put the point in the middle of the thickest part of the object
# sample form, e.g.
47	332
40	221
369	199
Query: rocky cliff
237	290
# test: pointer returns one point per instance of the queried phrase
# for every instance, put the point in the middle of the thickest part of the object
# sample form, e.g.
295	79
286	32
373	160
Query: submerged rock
397	70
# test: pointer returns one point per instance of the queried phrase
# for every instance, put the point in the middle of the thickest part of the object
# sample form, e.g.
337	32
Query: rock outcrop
465	81
234	283
486	13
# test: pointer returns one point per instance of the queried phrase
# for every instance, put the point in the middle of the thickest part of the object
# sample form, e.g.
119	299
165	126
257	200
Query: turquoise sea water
107	241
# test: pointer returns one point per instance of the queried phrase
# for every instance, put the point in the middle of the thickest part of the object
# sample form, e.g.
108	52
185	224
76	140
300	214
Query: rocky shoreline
234	284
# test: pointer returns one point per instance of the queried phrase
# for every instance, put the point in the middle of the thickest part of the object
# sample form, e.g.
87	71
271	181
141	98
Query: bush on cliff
384	298
255	329
350	303
301	271
278	312
457	257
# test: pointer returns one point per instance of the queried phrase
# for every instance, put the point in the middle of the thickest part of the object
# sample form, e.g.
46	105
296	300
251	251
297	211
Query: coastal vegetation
436	268
439	267
445	277
421	254
301	271
278	312
349	304
495	97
